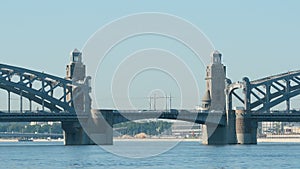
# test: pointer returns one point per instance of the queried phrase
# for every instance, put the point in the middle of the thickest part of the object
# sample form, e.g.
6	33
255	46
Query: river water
183	155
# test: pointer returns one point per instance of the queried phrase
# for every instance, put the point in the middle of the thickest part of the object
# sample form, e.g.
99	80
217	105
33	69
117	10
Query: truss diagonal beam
26	83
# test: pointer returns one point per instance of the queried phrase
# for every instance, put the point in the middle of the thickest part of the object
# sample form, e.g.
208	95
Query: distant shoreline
259	140
278	140
34	140
157	139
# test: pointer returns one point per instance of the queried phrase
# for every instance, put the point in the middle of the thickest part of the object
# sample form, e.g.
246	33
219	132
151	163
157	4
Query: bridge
67	100
118	116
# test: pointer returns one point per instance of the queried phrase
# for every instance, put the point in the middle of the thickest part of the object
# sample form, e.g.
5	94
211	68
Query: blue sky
256	38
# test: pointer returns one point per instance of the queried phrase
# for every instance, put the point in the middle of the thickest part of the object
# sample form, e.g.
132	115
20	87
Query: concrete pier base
213	134
75	135
246	129
97	129
231	128
100	127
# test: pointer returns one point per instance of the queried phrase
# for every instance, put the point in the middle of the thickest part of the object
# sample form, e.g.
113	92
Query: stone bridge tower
76	71
98	123
215	82
214	99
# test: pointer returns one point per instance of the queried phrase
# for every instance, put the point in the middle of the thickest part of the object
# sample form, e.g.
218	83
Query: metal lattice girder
21	82
267	92
230	92
278	89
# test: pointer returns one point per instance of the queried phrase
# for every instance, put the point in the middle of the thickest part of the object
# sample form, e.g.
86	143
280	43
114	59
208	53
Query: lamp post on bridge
167	99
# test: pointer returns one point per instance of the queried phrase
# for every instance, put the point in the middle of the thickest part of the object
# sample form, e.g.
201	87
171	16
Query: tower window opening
75	58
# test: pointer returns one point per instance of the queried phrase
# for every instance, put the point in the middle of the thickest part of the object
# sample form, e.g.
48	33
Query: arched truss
263	94
52	92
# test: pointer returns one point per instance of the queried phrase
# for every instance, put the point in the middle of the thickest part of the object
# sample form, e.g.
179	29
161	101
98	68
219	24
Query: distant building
271	128
280	128
43	123
292	129
182	129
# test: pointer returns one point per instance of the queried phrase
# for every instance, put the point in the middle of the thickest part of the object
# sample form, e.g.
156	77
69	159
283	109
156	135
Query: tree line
27	128
128	128
150	128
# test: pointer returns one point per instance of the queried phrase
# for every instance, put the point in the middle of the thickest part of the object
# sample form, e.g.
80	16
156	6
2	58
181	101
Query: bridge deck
119	116
125	115
40	117
183	115
280	116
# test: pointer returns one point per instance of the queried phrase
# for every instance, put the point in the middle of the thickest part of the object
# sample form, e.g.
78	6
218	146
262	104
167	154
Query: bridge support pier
231	127
246	129
214	134
100	127
74	134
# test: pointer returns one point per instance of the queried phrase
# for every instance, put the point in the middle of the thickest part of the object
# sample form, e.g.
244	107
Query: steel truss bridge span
50	91
263	94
